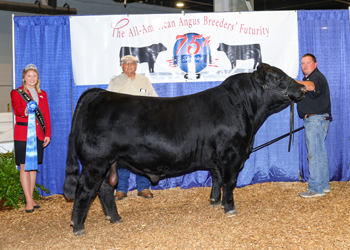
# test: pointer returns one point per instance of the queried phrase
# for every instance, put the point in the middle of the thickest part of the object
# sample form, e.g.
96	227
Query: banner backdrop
45	41
183	47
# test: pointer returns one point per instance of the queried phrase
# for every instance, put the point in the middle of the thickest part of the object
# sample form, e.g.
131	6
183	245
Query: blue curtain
45	41
326	34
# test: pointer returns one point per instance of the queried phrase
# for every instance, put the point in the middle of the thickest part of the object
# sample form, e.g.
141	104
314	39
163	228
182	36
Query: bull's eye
275	80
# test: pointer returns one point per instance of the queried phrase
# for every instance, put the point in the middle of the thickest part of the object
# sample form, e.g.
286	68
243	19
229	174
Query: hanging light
179	4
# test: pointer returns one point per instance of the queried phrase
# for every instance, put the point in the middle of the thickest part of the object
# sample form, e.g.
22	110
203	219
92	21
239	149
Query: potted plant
10	184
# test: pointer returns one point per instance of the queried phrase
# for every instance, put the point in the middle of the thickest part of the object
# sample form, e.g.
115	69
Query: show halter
292	131
284	92
31	162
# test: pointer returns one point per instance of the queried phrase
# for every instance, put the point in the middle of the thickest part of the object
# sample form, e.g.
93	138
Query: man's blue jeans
316	129
123	181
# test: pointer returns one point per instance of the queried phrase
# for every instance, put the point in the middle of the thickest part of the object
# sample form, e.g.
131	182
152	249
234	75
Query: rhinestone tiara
30	66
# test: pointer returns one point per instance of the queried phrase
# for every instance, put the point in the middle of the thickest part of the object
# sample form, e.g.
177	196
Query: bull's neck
258	107
257	104
267	103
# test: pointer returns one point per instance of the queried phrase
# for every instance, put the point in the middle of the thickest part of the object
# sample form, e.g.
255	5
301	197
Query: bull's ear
263	66
260	74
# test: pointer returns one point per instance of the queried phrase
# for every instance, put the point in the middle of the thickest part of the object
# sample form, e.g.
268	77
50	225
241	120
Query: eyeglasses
129	63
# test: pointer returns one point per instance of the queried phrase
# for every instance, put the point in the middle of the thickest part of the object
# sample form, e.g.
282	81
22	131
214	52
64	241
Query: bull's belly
156	171
166	168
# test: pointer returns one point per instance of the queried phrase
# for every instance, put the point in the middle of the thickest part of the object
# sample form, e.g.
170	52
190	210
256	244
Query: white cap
129	58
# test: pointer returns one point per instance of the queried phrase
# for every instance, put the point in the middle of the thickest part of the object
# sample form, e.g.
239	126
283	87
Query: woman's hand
46	141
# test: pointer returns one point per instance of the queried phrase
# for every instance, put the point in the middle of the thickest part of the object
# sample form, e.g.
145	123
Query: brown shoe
145	194
120	195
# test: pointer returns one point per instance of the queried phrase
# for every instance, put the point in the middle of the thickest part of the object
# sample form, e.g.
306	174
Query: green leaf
10	183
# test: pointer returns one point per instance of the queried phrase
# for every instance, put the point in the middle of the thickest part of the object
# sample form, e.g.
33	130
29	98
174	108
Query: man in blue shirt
315	109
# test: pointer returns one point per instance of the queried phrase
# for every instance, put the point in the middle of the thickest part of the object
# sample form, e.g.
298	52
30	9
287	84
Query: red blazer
19	106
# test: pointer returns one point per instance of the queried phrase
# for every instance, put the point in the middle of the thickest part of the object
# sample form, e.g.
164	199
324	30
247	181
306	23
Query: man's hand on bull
310	86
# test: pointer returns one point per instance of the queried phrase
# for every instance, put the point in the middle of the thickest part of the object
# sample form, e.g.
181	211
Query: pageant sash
38	115
31	162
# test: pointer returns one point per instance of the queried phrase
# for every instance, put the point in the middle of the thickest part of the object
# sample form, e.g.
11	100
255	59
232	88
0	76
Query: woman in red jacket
30	86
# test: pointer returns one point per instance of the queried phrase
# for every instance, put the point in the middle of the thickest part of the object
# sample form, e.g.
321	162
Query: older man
133	84
315	109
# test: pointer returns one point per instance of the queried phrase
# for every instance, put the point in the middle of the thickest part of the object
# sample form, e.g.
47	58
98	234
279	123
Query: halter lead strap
285	93
291	135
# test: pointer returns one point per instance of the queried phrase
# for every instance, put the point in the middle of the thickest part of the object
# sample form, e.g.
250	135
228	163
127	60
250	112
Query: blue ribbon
31	162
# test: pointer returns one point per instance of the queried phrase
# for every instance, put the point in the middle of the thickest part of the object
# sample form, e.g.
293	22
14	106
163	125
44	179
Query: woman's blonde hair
26	69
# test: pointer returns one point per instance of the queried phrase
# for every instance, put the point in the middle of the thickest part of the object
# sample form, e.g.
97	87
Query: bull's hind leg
87	187
107	200
215	195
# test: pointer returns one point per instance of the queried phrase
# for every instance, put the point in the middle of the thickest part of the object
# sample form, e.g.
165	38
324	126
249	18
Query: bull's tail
72	167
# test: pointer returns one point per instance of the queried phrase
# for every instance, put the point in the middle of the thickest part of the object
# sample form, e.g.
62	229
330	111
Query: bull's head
274	79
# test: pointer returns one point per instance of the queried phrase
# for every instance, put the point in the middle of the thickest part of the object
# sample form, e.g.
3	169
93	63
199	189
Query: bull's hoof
114	221
231	212
118	221
215	203
71	223
80	232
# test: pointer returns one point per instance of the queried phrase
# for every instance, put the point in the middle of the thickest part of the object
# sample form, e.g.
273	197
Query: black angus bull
147	54
241	52
212	130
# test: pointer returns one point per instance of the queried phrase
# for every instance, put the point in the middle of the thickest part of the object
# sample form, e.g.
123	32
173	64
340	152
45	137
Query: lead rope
275	140
291	135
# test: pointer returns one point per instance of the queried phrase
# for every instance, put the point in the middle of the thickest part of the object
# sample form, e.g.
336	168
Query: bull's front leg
229	184
227	200
109	207
215	195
